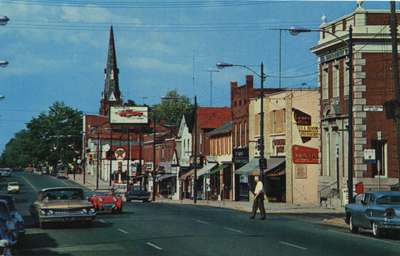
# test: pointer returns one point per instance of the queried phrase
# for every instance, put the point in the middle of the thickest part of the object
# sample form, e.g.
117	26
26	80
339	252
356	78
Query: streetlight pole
154	157
295	31
195	152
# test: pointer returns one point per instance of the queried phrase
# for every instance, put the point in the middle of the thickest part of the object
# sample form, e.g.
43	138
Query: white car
13	187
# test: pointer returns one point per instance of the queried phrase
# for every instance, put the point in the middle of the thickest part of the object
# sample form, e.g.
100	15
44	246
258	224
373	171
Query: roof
213	117
223	129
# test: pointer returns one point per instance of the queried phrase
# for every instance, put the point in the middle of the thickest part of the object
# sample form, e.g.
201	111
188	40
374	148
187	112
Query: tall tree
50	138
172	107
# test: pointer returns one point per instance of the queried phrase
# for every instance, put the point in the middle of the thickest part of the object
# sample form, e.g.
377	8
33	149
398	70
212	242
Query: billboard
128	115
305	155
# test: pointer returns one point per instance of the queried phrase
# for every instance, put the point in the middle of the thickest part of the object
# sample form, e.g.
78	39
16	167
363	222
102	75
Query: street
168	229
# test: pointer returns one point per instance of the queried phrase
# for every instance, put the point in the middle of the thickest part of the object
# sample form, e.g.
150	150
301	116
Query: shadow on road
38	244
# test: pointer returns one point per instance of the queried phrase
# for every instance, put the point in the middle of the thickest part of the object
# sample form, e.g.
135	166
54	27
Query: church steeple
111	94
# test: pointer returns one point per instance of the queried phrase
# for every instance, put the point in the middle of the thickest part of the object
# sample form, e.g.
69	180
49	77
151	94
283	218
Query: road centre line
202	222
29	183
122	231
154	246
233	230
293	245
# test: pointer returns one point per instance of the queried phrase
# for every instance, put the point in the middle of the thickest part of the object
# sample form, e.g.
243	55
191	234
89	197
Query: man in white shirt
258	202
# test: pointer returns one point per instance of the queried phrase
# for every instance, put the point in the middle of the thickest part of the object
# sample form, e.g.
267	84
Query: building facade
372	86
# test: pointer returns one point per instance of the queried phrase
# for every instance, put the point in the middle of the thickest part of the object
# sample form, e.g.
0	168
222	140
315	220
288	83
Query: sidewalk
90	181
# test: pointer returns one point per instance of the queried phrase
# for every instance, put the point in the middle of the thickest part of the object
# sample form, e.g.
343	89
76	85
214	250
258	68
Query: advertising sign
128	115
369	154
305	155
308	131
120	154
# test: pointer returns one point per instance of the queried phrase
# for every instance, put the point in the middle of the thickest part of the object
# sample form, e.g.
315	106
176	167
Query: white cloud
146	63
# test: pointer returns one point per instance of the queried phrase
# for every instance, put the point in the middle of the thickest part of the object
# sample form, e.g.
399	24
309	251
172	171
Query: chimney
249	81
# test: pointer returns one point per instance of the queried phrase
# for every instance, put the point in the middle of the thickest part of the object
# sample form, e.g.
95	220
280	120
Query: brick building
240	98
372	86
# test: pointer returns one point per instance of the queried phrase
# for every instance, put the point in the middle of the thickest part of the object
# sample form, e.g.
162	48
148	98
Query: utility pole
139	170
280	58
262	161
154	158
195	151
129	158
111	155
350	115
98	159
211	71
395	75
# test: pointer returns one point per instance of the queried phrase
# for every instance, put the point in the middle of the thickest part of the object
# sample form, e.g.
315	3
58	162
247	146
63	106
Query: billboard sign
128	115
305	155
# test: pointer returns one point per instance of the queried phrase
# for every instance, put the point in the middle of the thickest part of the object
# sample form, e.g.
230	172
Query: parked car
5	172
61	174
136	193
376	211
13	187
106	202
7	224
62	204
16	217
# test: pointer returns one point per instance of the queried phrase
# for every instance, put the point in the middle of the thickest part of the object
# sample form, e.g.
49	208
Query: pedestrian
258	202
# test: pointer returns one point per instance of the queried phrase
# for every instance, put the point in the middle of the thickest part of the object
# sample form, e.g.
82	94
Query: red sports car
106	202
130	113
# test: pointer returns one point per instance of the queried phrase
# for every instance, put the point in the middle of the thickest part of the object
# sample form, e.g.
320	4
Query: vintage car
13	187
62	204
376	211
136	193
16	217
8	227
106	202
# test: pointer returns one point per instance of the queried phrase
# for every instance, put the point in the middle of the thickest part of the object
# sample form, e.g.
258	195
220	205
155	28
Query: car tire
353	229
376	231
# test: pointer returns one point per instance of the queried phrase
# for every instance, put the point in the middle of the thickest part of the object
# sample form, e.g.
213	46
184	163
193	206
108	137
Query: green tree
172	107
50	138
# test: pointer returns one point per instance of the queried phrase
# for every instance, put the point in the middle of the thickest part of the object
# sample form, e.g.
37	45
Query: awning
246	169
217	169
186	175
165	176
252	167
206	169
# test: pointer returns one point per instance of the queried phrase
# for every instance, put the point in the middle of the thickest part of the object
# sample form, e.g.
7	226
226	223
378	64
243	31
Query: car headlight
84	211
50	212
92	210
43	212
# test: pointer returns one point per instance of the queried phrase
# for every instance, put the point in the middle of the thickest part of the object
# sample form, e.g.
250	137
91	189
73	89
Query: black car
136	193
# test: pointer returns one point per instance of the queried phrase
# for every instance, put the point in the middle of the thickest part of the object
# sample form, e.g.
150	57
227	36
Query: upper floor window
325	84
335	81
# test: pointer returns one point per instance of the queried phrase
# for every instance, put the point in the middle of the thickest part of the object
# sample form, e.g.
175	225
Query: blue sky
57	50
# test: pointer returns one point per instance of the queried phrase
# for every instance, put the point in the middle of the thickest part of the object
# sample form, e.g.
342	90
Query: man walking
258	202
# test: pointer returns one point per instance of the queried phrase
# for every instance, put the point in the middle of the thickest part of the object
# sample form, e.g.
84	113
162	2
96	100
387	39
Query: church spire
111	94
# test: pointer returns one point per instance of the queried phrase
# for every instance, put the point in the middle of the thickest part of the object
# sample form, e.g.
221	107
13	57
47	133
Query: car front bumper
389	224
67	218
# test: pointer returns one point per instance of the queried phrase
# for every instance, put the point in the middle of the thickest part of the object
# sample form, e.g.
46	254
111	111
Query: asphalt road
167	229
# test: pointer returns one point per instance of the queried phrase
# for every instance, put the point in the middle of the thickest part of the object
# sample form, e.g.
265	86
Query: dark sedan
136	193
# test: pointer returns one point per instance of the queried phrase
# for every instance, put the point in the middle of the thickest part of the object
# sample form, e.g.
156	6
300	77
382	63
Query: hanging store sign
120	154
128	115
305	155
308	131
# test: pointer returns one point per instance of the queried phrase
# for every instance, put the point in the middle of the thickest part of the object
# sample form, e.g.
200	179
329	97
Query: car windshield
389	200
63	195
13	183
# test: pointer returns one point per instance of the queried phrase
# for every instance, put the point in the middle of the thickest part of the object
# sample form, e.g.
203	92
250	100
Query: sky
57	49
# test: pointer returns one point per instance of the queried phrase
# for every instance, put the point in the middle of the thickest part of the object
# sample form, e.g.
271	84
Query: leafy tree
50	138
172	107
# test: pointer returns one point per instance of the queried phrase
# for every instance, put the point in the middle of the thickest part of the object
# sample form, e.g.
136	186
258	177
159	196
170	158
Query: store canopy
252	167
206	169
188	174
217	169
165	176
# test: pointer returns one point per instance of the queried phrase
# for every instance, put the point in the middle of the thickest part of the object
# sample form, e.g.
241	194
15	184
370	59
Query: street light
349	43
3	63
4	20
211	71
261	75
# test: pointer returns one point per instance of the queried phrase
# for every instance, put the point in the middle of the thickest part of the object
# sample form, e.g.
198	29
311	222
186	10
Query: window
335	81
380	167
346	79
325	84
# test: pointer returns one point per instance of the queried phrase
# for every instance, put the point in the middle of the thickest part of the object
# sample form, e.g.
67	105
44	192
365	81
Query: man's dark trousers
258	203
